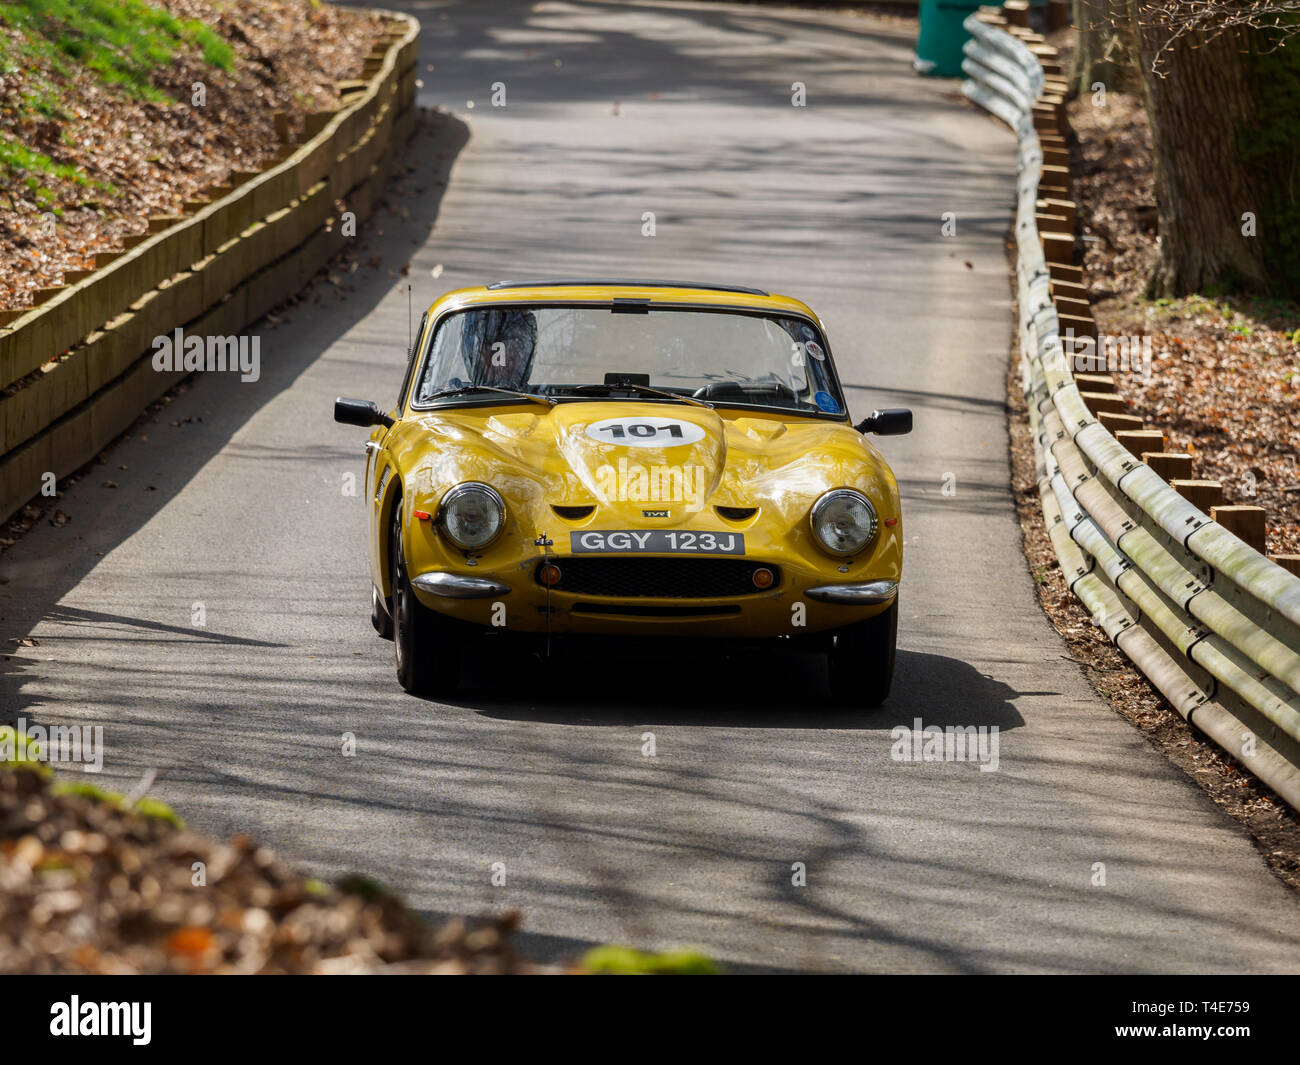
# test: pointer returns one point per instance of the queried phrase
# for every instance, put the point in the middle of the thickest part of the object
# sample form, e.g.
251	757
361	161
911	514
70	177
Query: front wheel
379	616
423	643
862	660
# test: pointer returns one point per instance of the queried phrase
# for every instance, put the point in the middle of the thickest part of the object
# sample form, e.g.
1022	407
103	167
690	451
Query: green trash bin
938	48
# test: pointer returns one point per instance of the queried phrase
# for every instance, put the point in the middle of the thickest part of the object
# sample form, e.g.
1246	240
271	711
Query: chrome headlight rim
819	508
460	491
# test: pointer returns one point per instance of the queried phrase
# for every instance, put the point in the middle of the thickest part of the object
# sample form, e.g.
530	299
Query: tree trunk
1200	113
1103	52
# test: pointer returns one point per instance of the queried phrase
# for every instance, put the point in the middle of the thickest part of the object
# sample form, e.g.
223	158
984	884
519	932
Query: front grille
660	578
631	610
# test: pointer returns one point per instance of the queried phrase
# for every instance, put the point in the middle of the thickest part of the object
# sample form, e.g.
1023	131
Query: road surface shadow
741	687
103	521
566	951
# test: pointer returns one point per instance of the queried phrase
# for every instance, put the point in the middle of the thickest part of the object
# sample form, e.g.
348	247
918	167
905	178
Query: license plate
656	541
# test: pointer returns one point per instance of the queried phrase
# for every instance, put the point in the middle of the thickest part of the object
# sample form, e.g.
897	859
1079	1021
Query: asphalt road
233	497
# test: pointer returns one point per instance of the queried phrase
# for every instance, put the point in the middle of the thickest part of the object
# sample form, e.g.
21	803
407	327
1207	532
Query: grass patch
627	961
20	165
122	41
146	806
1240	315
20	751
363	887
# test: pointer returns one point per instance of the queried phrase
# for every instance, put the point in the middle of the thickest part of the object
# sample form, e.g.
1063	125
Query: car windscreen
724	357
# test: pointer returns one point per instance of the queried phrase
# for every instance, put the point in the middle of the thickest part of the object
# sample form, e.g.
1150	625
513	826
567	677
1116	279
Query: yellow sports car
629	458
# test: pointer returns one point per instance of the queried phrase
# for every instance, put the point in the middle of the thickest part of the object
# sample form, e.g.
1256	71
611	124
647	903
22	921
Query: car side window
411	360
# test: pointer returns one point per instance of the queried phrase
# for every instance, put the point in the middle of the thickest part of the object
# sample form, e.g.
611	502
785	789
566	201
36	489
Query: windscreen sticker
815	350
825	401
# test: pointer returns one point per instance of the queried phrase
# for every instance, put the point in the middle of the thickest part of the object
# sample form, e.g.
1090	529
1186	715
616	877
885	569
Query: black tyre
423	641
862	660
379	616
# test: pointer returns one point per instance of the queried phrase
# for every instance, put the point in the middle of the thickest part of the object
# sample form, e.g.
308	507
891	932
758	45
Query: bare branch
1195	23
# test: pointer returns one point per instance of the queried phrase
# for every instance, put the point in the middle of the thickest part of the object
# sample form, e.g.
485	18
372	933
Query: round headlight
843	522
472	516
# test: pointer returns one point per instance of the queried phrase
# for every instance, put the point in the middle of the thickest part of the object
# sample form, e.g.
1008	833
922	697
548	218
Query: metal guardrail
1211	622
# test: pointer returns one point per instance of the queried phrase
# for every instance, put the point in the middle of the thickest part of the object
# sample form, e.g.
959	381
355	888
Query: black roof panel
628	283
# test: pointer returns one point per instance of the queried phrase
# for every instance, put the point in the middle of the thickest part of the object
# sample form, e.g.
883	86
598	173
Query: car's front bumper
459	586
857	593
801	604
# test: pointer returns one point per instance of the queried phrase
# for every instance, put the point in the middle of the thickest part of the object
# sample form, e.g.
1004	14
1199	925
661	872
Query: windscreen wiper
467	389
626	386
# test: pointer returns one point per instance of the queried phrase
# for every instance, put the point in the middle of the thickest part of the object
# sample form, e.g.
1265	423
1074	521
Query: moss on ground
19	751
121	42
627	961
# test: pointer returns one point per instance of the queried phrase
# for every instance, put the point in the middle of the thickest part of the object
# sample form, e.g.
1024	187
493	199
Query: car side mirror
359	412
893	421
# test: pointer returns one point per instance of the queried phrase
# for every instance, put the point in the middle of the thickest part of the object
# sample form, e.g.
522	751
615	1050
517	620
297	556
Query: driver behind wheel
505	351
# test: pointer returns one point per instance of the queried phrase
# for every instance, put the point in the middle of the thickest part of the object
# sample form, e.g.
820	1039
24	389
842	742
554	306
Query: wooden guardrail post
1083	325
1115	422
1068	288
1104	402
1204	495
1016	12
1057	247
1068	208
1070	305
1244	522
1064	270
1141	441
1054	182
1094	382
1169	465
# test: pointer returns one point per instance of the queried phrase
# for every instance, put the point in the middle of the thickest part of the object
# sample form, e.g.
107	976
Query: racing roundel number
645	432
